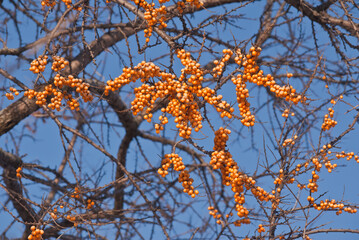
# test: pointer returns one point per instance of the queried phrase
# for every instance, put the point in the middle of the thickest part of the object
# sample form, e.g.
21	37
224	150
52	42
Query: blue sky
47	147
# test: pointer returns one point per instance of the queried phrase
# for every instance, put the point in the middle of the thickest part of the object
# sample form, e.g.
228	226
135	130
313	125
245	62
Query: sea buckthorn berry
18	172
261	228
55	93
288	142
181	4
53	215
214	213
328	122
36	234
68	3
52	3
312	185
285	113
153	16
348	156
9	96
238	223
218	69
38	65
231	176
253	74
331	205
181	92
90	204
59	62
168	160
186	181
178	166
48	3
12	89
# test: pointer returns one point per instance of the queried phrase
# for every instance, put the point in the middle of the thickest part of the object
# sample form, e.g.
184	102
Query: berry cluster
18	172
53	214
75	193
187	182
218	69
312	185
327	163
348	156
48	3
251	73
52	3
259	192
12	89
261	228
10	95
239	222
195	80
214	213
239	57
159	127
182	4
72	207
184	114
318	162
41	97
36	234
188	88
286	113
195	3
59	62
144	71
283	179
71	218
153	16
90	204
57	92
80	87
178	166
328	122
324	158
289	141
193	69
331	205
178	93
222	159
181	93
243	105
67	3
167	161
38	65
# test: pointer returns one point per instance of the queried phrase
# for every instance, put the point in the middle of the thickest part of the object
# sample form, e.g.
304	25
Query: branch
324	18
10	163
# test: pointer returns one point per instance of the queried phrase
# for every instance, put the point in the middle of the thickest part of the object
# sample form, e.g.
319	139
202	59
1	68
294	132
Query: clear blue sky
47	148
